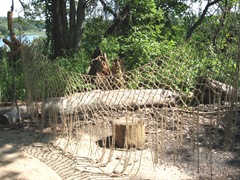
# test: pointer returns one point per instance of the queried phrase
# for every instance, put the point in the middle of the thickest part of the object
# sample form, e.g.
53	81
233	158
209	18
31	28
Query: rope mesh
82	111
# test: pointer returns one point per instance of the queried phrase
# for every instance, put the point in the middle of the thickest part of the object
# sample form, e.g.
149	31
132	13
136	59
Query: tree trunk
10	115
120	23
79	24
72	21
57	31
67	35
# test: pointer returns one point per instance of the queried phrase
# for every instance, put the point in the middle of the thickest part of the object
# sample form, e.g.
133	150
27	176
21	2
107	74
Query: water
28	38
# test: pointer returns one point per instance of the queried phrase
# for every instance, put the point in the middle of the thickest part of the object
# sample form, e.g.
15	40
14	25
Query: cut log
117	69
129	132
9	104
9	115
208	91
99	66
115	99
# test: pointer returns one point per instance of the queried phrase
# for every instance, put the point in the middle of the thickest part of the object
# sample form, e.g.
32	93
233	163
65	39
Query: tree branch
222	21
12	7
120	21
199	21
23	5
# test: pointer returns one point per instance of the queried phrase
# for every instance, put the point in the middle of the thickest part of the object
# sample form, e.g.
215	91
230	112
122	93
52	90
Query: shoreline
29	36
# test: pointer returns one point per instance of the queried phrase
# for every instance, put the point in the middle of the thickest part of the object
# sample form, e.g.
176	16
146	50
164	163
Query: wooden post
9	17
129	132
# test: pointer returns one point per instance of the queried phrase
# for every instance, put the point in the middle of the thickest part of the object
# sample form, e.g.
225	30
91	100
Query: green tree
65	20
3	29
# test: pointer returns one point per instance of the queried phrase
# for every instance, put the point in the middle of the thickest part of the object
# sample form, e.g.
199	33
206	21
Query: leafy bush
11	81
111	47
174	68
75	63
3	30
140	48
93	34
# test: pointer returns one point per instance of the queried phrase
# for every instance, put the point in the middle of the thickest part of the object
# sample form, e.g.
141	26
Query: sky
6	6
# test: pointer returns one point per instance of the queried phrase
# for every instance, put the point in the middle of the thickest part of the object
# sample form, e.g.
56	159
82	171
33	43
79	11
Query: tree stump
129	132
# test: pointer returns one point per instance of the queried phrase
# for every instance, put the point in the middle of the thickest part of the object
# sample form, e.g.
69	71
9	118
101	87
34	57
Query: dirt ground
15	163
27	154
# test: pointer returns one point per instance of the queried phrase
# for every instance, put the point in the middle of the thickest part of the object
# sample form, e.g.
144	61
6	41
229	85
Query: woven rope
81	109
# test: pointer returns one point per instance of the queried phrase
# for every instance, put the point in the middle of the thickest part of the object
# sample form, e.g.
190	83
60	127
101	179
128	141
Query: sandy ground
25	155
17	164
20	165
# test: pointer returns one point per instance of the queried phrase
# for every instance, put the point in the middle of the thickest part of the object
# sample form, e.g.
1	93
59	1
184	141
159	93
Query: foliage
41	44
11	78
28	25
3	26
78	62
155	31
111	47
94	32
141	41
174	68
139	49
216	43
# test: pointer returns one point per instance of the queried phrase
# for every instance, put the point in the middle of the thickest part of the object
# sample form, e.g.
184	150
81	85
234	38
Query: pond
28	38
